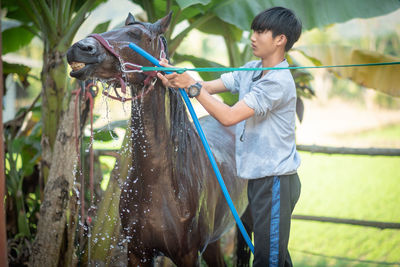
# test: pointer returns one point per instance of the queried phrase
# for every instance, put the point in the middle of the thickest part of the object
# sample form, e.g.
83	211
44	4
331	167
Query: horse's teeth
77	65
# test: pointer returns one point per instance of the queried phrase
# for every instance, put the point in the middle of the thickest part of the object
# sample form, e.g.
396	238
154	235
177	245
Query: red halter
148	82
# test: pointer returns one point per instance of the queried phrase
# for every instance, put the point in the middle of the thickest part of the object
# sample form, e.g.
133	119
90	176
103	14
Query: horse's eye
135	34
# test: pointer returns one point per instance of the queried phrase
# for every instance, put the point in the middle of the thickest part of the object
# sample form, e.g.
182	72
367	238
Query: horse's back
212	126
222	143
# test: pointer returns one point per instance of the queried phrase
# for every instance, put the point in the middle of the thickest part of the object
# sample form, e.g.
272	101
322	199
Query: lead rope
89	94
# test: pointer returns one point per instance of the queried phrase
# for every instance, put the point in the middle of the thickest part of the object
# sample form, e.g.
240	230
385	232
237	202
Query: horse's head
90	57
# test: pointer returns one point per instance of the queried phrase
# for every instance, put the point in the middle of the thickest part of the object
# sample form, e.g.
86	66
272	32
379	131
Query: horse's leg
191	259
213	255
243	252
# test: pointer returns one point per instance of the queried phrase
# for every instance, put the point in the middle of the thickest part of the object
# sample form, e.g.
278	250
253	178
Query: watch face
194	90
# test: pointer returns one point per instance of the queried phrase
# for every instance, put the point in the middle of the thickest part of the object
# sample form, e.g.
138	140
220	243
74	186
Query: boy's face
264	45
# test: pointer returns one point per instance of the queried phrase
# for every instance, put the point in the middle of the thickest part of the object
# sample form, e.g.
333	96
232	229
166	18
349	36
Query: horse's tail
243	252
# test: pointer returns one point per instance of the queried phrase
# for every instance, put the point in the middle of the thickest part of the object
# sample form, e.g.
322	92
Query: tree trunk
54	79
52	224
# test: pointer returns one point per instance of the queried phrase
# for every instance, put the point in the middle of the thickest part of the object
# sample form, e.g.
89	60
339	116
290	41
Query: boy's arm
214	86
184	80
225	114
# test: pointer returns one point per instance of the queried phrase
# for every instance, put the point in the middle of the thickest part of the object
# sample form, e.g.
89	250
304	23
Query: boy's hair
278	20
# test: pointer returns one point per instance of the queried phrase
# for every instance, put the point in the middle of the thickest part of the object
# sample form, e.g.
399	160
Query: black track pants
272	200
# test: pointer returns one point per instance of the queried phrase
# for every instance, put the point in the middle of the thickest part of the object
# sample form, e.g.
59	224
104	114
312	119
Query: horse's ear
130	19
161	25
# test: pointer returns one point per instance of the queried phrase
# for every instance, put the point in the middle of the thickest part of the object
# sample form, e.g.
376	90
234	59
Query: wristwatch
194	90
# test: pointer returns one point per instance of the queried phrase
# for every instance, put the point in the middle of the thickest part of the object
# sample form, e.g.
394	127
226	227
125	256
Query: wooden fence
349	151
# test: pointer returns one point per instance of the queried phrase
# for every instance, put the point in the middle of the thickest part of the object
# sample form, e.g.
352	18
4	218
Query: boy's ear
281	40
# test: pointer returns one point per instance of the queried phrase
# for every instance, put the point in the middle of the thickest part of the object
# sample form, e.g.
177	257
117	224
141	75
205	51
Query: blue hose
154	61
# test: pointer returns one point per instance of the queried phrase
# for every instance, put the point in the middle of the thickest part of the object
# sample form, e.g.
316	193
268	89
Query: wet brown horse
171	203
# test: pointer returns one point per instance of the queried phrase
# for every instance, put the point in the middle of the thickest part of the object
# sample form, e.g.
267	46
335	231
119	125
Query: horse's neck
160	125
165	155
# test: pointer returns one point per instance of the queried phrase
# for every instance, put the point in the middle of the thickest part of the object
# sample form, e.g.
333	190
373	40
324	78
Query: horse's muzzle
83	56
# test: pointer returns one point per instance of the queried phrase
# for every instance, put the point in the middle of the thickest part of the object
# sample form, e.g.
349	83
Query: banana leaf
101	27
381	78
312	13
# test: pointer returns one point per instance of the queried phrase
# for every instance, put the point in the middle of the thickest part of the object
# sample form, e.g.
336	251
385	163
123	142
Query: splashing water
138	135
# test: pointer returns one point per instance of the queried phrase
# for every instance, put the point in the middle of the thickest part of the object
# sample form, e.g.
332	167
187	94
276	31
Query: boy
265	130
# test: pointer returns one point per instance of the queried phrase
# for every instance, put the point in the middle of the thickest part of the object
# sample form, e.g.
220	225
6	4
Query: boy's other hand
175	80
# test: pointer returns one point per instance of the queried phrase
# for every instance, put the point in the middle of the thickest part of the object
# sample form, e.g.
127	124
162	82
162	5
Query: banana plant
55	23
22	155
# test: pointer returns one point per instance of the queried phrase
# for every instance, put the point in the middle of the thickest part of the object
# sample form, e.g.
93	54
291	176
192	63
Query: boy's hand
175	80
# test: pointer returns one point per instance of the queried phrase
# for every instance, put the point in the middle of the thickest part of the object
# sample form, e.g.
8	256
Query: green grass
389	132
356	187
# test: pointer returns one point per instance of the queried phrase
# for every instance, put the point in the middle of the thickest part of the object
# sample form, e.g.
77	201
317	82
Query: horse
171	203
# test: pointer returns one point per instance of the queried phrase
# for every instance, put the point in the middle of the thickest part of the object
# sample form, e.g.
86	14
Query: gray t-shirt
265	142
